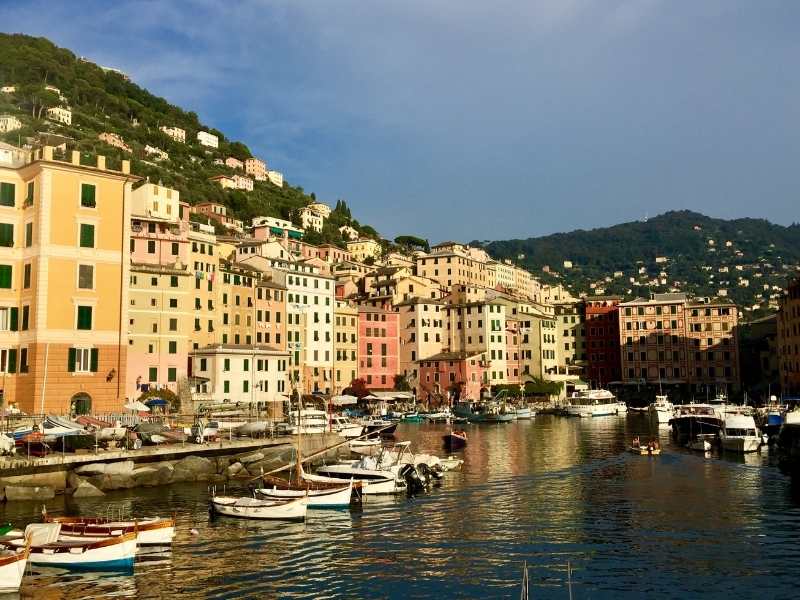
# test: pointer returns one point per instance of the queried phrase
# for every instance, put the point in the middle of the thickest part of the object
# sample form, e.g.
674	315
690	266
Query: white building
60	115
310	219
241	182
158	153
275	178
207	139
152	200
237	373
9	123
349	232
176	133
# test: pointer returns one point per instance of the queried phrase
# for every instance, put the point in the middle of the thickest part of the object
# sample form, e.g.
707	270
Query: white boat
150	531
378	475
739	433
252	428
320	498
252	508
441	416
309	421
12	569
451	463
524	412
373	483
622	408
49	548
702	443
358	446
662	410
345	427
592	403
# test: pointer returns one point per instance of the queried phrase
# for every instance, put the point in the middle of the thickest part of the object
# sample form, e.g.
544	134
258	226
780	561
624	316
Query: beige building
345	345
275	178
112	139
234	163
176	133
421	334
310	219
207	139
60	115
9	123
256	168
451	264
363	249
240	182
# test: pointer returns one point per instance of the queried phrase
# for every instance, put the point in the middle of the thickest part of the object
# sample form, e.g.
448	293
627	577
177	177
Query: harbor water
549	491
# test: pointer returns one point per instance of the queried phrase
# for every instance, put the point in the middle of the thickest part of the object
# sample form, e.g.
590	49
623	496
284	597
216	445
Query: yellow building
204	266
64	230
452	264
345	345
363	249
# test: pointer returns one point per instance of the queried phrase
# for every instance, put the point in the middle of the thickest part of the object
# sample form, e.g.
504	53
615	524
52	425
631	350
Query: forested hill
694	252
103	100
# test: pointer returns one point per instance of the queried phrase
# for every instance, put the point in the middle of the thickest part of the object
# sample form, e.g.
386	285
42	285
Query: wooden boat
151	531
47	548
245	507
455	440
104	431
329	496
12	568
645	450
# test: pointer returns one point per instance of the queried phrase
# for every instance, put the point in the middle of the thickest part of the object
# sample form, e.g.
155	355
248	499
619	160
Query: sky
454	119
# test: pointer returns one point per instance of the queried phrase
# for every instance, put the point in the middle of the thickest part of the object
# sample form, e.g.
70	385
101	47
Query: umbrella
343	400
137	406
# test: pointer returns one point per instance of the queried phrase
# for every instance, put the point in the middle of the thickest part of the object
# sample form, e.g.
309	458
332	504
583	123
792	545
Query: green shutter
12	360
25	315
172	374
13	318
153	374
87	195
84	317
7	235
29	197
71	360
28	235
87	236
5	276
93	356
7	194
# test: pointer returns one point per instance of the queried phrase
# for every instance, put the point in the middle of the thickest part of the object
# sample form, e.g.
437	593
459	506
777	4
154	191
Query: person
636	443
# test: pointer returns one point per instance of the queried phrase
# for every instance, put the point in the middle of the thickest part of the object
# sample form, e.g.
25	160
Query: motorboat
739	433
702	443
245	507
455	440
691	420
151	531
622	408
483	412
252	428
12	568
326	497
412	417
49	548
383	474
377	426
441	416
345	427
662	410
309	421
524	412
592	403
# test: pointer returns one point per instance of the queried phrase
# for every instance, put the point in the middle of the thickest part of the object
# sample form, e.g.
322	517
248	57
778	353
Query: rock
54	479
2	494
100	481
193	468
165	471
233	470
145	476
86	490
92	469
123	467
15	492
214	478
122	481
223	462
251	457
74	480
267	465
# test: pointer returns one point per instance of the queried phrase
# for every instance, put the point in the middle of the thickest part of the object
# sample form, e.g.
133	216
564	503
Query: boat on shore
592	403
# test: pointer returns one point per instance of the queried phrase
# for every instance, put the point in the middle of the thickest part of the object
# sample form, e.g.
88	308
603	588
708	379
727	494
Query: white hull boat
245	507
358	445
12	569
594	403
325	498
152	531
252	428
702	443
739	433
524	412
372	483
740	444
662	410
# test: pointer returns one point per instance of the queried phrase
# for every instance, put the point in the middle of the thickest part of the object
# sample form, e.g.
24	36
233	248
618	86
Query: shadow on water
547	491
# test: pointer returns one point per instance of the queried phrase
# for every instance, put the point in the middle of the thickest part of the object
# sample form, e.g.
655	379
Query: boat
441	416
309	421
592	403
151	531
377	426
325	497
482	412
739	433
412	417
204	431
524	412
652	448
12	568
245	507
691	420
662	410
364	446
103	431
48	548
451	463
702	443
789	442
387	473
252	428
455	440
345	427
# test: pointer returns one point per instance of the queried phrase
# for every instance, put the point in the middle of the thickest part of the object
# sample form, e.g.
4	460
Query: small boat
151	531
451	463
739	433
438	417
245	507
652	448
702	443
455	440
524	412
364	446
12	568
380	427
593	403
328	497
103	431
412	417
662	410
253	428
345	427
48	548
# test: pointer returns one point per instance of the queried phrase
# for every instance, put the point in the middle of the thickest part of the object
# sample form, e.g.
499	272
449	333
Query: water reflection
549	491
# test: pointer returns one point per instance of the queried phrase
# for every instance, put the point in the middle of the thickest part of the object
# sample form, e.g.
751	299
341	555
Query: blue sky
474	120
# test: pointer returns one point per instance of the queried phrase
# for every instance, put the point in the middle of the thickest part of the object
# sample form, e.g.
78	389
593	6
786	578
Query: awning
137	406
295	234
151	402
276	230
393	395
344	400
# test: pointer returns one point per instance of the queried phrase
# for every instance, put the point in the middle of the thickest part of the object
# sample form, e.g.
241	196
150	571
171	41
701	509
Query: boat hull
316	498
740	444
369	487
12	570
111	554
524	413
592	410
149	532
454	442
250	508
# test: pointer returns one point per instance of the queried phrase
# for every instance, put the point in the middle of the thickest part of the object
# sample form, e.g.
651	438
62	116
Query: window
84	317
29	195
7	194
25	317
151	246
6	235
28	235
226	365
87	236
82	360
173	324
85	277
226	387
173	347
26	276
245	386
173	281
5	276
152	375
172	374
88	193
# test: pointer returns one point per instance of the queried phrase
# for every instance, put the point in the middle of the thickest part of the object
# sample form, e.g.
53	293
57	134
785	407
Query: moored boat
152	531
662	410
739	433
524	412
690	420
326	497
455	440
12	568
701	443
245	507
592	403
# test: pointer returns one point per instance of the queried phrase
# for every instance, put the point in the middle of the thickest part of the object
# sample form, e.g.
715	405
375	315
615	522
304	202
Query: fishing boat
662	410
412	417
455	440
482	412
48	548
702	442
592	403
151	531
245	507
325	497
12	568
739	433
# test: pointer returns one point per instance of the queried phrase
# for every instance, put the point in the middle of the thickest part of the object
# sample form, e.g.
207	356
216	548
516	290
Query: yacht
592	403
662	410
691	420
739	433
345	427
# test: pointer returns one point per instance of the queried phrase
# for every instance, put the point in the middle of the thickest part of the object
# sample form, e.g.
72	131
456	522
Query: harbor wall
90	475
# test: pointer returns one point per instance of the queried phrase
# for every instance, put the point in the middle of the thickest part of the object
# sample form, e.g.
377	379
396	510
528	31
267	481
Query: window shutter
13	318
7	193
7	235
87	195
71	360
12	360
94	355
87	236
5	276
23	360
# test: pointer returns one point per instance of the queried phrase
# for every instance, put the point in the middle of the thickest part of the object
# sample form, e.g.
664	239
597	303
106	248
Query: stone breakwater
91	479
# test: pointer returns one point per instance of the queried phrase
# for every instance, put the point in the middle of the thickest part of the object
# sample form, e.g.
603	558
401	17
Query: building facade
789	340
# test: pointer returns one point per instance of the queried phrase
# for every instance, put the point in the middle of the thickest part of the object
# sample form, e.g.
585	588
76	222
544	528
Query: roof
238	348
442	356
420	300
269	283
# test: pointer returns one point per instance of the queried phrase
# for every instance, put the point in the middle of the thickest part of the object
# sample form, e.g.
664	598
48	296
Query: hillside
697	249
106	101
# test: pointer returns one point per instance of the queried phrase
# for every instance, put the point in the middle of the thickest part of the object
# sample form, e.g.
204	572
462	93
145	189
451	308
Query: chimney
126	167
101	162
48	153
76	157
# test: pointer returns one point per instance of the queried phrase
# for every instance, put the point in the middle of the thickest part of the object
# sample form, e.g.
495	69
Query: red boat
455	440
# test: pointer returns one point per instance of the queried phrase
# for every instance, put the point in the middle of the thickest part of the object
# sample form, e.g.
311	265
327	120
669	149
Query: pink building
378	346
158	241
333	254
461	375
